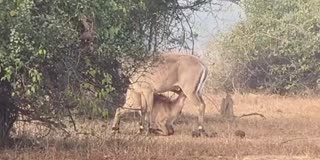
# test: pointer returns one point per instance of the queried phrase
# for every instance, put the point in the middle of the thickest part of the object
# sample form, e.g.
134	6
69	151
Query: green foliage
276	47
51	72
42	57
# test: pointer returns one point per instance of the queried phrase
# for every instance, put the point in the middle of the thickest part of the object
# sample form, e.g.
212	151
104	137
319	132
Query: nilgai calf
165	112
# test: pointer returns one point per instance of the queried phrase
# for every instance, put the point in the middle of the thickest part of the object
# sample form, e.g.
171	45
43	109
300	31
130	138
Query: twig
191	31
82	133
72	120
289	140
300	138
45	135
252	114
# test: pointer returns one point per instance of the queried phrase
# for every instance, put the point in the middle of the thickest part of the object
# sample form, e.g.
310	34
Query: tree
65	56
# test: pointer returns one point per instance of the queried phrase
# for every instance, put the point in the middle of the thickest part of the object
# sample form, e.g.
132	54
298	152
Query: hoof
156	132
195	134
213	134
149	131
240	133
152	131
140	130
199	133
115	130
114	133
171	133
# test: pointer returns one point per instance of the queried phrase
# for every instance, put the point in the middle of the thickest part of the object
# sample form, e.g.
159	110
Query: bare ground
291	130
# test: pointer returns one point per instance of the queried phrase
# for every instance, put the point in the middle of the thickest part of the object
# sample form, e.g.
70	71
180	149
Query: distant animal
226	109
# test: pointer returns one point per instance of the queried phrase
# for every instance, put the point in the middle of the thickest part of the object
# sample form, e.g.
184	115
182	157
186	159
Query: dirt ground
291	131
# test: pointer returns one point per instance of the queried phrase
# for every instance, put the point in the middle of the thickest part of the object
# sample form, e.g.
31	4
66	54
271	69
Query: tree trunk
8	112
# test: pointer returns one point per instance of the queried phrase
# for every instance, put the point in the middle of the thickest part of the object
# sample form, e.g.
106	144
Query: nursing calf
165	111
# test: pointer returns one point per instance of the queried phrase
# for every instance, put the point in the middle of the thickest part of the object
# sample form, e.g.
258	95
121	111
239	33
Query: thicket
60	58
274	49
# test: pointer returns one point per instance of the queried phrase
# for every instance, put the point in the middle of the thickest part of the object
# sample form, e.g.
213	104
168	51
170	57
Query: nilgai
167	73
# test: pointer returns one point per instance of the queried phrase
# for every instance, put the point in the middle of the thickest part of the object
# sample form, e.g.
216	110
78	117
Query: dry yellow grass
291	130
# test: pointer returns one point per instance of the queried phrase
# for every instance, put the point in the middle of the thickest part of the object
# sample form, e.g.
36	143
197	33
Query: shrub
276	48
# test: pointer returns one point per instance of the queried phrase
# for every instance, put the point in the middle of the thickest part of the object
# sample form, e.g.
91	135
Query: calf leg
170	129
162	130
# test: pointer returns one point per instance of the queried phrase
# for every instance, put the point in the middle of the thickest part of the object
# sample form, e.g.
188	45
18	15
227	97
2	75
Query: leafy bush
59	55
275	49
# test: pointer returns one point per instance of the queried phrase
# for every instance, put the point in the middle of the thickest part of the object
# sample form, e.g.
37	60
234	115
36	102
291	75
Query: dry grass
295	119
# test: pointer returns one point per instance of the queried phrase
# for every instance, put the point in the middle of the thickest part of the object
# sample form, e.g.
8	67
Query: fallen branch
252	114
300	138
